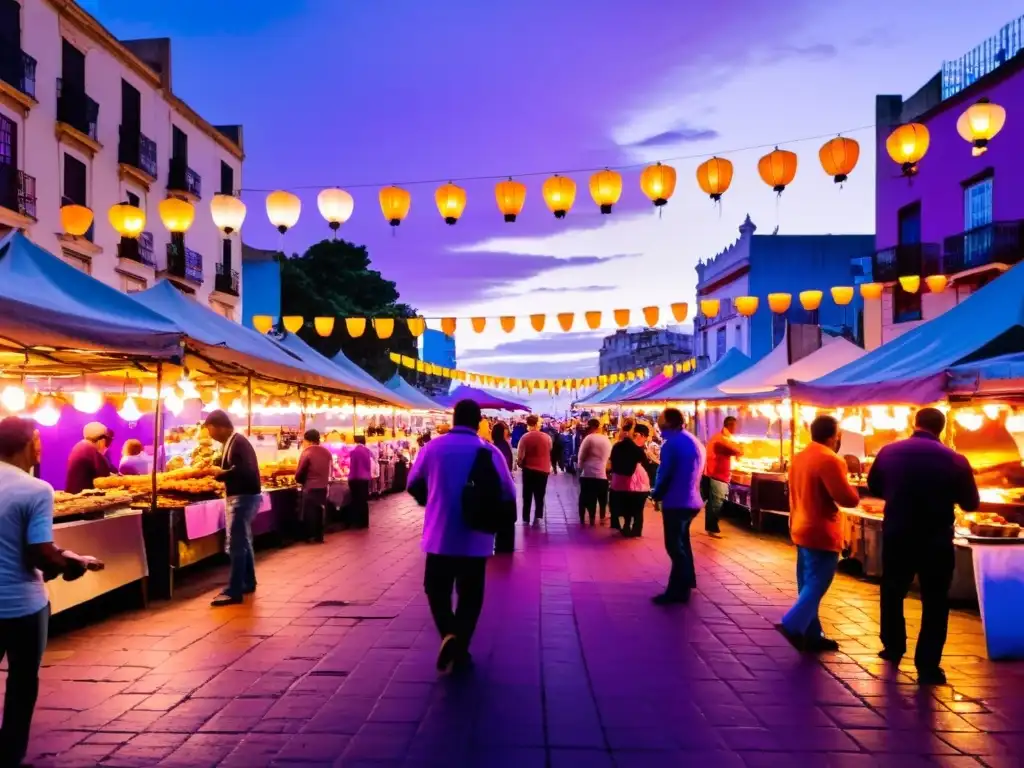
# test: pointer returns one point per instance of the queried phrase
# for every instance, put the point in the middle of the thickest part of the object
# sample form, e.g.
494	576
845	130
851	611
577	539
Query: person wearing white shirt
595	450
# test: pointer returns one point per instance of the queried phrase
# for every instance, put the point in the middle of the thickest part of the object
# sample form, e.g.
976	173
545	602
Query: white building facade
88	119
724	277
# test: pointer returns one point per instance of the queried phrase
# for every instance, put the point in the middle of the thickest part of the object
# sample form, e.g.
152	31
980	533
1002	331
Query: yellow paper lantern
810	300
565	320
537	321
842	294
667	371
228	213
651	315
658	182
777	169
292	323
936	283
680	311
127	219
779	302
911	283
621	317
746	305
394	204
177	215
559	195
980	123
508	323
336	206
714	177
356	326
710	307
478	323
630	376
593	319
384	326
417	325
75	219
324	325
262	323
510	196
839	157
907	145
448	326
871	291
283	209
451	201
606	189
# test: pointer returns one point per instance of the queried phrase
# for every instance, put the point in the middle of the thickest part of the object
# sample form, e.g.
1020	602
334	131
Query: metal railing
890	264
138	249
137	150
184	262
18	69
226	280
17	191
183	179
1001	242
75	108
961	73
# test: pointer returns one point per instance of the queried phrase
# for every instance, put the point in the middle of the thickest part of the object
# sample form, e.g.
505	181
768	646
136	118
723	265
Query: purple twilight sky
354	92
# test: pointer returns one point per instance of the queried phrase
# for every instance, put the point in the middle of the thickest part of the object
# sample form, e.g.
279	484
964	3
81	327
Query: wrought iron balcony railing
184	263
183	179
17	191
916	259
75	108
139	249
137	150
17	68
1001	242
226	280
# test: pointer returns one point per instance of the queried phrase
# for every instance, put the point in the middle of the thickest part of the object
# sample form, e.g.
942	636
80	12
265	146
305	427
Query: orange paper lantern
778	169
871	291
710	307
839	157
746	305
559	195
394	203
810	300
511	196
606	189
658	182
779	302
714	177
907	145
842	294
451	201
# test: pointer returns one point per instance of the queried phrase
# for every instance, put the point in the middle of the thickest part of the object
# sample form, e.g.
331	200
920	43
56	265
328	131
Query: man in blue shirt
456	554
677	487
27	555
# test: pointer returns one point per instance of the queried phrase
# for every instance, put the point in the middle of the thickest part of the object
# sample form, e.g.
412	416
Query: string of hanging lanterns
906	145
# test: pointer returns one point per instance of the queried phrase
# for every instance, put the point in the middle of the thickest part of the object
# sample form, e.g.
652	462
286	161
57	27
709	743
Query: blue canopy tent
997	377
607	395
47	303
409	393
911	369
703	385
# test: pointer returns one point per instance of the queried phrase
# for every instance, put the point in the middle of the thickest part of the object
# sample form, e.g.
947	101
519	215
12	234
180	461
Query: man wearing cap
88	459
240	473
313	474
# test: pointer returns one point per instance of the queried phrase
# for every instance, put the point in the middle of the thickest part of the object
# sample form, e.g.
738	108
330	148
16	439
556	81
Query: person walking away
314	475
240	473
456	554
133	460
718	474
518	430
818	486
88	459
920	480
595	450
556	449
625	432
677	487
360	473
535	461
27	557
505	538
630	483
484	429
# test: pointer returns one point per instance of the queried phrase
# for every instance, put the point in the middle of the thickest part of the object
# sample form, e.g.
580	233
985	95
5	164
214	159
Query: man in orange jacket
717	474
817	488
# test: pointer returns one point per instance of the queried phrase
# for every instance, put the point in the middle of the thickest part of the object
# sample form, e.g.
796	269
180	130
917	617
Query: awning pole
353	419
248	408
158	432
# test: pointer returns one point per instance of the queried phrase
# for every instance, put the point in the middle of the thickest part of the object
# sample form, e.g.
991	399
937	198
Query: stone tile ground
332	665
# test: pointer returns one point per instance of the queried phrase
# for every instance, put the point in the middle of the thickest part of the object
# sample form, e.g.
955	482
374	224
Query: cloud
670	138
574	289
816	52
544	344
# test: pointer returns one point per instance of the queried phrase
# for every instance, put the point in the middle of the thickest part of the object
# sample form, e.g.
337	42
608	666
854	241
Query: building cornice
75	15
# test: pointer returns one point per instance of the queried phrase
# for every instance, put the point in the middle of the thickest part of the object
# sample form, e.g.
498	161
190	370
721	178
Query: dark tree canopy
333	278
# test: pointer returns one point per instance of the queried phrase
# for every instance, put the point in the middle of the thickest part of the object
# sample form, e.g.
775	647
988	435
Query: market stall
488	401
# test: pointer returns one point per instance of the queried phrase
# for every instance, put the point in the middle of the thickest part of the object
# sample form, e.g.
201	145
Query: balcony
1001	242
78	118
917	259
17	196
18	70
184	263
138	250
226	280
136	153
183	180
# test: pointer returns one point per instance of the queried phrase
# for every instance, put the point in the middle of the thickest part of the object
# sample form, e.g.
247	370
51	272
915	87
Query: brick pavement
332	664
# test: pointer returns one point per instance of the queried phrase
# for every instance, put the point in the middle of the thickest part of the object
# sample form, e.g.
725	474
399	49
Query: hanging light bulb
130	411
283	209
48	414
228	213
174	404
336	206
87	401
188	389
13	399
238	408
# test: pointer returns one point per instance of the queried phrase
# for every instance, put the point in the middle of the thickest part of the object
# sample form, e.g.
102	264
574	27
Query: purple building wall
949	165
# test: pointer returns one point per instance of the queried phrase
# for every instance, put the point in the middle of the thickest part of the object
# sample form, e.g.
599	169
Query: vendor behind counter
88	459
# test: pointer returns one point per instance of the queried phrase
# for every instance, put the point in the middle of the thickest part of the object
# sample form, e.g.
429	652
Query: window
227	179
704	343
132	284
778	329
906	307
81	263
226	256
720	343
76	180
978	204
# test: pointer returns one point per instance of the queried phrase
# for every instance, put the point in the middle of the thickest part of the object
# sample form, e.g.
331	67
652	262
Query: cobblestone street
332	664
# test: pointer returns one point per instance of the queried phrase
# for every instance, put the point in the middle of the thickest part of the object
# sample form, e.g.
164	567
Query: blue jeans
717	495
240	511
682	578
815	570
22	641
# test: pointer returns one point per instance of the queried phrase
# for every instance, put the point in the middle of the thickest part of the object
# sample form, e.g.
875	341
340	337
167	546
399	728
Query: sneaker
891	656
225	599
934	676
797	641
666	599
447	652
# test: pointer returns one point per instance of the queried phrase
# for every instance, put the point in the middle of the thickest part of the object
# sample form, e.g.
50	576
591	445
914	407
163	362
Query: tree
333	278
